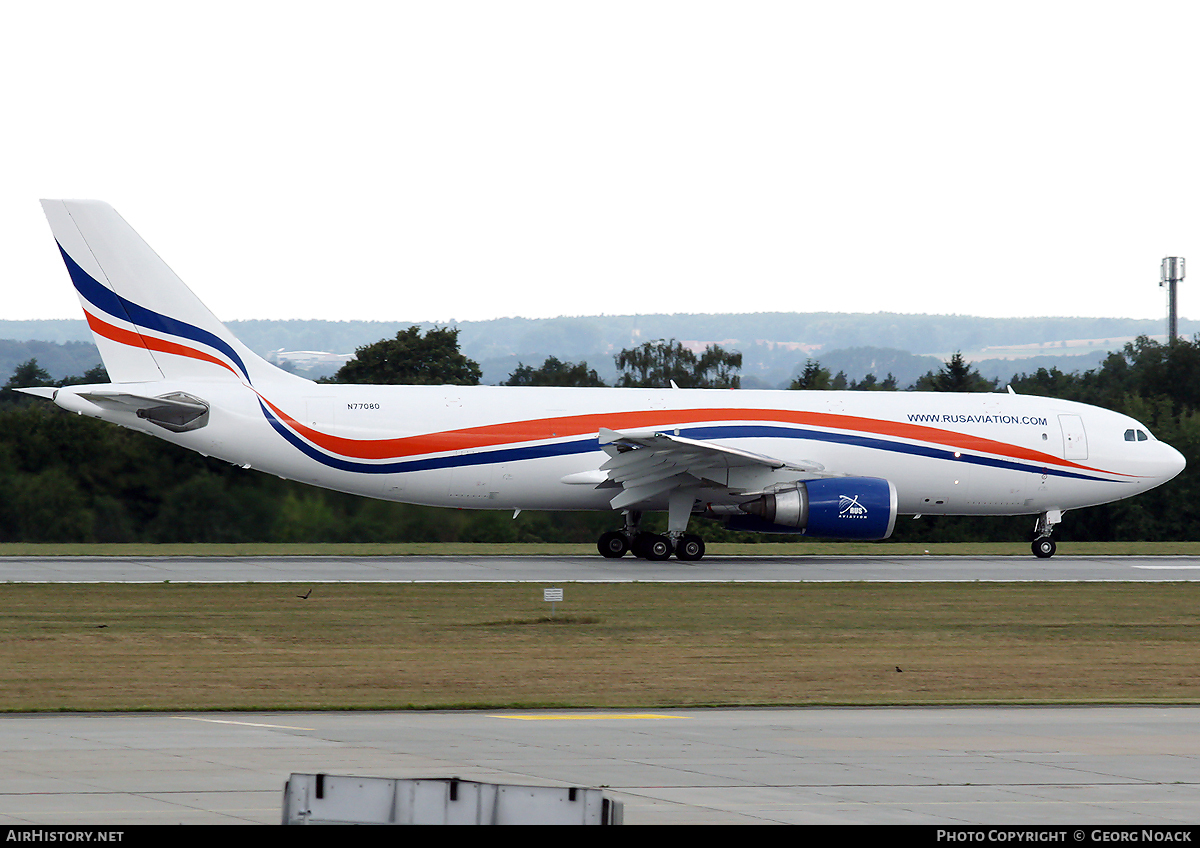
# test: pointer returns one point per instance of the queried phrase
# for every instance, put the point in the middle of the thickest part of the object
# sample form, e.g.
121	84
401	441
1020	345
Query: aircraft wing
649	464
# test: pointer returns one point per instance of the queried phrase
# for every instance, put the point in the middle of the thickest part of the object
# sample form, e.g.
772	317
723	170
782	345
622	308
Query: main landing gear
650	546
1043	546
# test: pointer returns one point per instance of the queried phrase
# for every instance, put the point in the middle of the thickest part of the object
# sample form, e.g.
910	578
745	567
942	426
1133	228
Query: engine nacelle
831	508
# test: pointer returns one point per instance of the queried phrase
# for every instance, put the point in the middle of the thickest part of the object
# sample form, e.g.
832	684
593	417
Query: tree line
72	478
433	358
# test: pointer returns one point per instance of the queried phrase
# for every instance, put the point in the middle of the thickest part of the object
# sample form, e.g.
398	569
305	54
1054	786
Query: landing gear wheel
1044	548
690	548
659	548
613	544
653	547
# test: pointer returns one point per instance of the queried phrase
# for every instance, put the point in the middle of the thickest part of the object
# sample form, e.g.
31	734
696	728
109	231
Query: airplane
834	465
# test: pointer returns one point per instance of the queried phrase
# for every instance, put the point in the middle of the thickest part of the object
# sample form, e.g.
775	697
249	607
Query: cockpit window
1129	436
1132	435
1142	436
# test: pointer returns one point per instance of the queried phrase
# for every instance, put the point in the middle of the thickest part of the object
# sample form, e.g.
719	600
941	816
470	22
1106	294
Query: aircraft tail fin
147	323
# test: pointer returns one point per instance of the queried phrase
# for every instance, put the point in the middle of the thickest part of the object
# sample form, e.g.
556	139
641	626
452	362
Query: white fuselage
484	447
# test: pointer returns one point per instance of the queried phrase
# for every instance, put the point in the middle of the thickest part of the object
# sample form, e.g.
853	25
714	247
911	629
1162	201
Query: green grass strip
351	646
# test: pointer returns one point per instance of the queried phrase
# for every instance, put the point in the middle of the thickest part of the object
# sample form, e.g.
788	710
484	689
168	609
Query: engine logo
849	507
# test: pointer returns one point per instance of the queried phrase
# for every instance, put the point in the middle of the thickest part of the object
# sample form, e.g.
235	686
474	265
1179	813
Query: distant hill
774	345
66	359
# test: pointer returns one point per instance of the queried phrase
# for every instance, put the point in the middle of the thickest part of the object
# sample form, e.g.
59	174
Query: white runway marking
605	717
242	723
1168	567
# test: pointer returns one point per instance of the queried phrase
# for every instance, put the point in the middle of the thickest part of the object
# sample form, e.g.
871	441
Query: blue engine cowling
833	508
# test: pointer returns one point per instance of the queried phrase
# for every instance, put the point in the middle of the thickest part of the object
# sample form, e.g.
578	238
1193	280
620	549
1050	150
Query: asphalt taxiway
982	765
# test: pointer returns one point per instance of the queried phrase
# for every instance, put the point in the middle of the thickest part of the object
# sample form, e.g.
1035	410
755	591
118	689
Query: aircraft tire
653	547
613	544
1044	548
690	548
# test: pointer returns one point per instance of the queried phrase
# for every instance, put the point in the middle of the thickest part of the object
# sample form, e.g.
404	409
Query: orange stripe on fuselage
539	429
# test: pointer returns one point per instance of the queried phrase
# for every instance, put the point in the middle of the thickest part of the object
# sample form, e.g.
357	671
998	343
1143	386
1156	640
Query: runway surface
933	766
319	569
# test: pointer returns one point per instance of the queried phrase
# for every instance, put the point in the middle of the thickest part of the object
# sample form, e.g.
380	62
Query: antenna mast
1172	273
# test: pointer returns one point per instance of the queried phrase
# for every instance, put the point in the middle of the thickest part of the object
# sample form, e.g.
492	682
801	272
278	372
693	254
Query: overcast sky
470	160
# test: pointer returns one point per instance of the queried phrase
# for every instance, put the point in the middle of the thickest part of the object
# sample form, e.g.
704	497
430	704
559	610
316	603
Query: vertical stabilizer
146	322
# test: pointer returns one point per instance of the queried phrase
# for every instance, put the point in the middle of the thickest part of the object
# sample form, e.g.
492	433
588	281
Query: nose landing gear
1043	546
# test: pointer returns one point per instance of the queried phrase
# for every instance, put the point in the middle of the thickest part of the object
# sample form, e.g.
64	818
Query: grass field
375	646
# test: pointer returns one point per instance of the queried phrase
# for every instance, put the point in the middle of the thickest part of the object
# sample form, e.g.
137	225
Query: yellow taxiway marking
603	717
243	723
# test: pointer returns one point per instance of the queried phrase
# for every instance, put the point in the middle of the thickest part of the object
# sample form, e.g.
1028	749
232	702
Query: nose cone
1173	463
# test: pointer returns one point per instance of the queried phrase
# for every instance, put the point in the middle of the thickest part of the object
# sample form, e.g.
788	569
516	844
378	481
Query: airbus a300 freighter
838	465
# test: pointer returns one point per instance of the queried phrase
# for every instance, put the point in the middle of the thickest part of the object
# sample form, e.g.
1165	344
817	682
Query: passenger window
1129	437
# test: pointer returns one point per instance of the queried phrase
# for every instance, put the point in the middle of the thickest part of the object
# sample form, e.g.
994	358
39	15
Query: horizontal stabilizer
47	392
177	412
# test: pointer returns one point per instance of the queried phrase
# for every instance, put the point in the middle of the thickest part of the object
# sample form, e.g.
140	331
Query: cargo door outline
1074	437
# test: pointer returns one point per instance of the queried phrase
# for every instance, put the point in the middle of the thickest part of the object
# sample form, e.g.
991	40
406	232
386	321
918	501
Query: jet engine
831	508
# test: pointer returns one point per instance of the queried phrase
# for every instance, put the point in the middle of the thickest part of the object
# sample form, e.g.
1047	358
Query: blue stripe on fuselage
588	444
486	457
